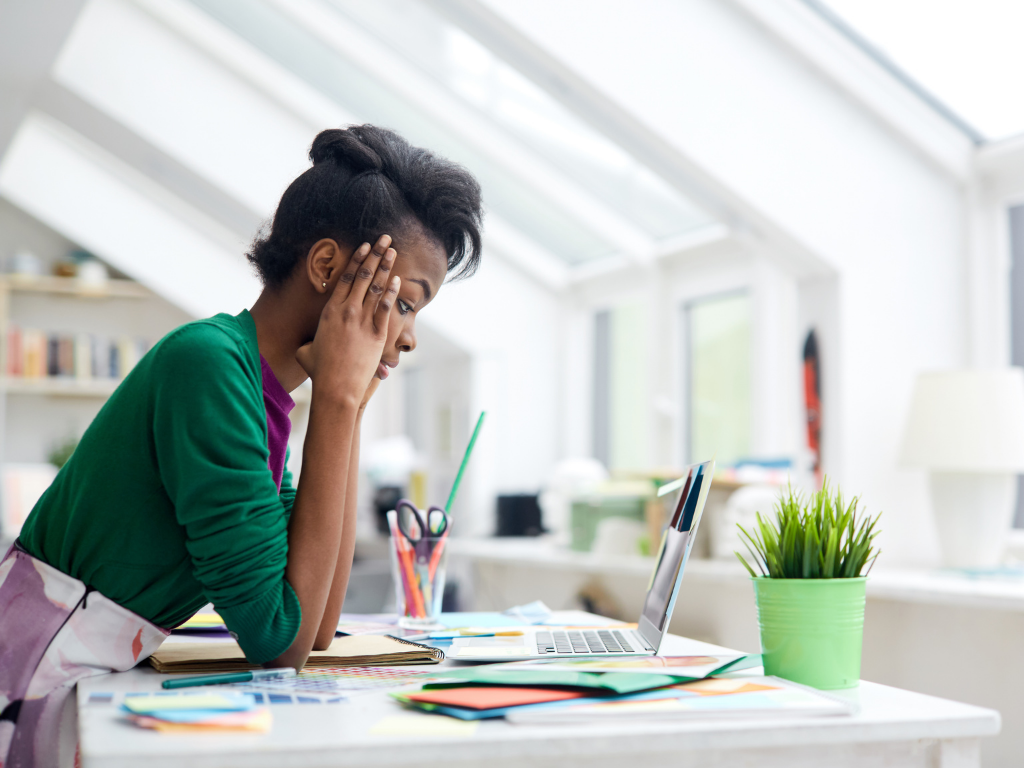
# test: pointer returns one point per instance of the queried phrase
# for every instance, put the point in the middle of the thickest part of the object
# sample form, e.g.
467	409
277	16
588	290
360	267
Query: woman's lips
382	371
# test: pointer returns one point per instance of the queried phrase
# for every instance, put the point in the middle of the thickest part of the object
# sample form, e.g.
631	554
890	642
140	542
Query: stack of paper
748	697
353	651
173	713
650	687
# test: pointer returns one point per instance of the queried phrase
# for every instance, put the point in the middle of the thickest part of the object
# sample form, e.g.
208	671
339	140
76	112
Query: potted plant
810	591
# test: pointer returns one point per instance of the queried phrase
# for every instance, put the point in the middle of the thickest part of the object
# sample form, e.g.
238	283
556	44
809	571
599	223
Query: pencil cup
418	571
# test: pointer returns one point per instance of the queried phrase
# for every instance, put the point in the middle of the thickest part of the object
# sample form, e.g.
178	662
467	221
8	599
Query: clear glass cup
418	571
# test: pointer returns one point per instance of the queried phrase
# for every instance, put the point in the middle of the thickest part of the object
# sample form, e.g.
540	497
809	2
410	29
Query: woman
179	494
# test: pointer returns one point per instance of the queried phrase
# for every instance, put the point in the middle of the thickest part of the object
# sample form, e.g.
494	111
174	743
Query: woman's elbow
293	657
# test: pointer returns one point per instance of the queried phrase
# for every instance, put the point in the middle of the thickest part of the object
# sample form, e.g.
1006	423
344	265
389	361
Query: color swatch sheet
340	679
104	699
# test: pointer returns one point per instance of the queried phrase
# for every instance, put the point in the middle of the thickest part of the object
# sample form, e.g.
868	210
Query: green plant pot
812	629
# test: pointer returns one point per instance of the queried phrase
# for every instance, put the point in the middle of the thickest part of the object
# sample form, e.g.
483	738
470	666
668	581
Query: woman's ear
326	260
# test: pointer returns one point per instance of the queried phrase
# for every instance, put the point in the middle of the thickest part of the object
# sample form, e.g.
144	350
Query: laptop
559	643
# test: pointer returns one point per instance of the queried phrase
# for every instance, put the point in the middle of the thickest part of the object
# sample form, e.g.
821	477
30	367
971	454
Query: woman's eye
403	308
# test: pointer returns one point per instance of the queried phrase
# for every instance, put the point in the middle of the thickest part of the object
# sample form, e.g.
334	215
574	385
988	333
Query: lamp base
974	514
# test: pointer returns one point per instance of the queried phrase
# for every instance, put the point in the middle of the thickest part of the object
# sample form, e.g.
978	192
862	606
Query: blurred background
786	233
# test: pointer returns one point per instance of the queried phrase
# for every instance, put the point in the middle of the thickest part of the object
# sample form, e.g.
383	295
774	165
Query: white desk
893	728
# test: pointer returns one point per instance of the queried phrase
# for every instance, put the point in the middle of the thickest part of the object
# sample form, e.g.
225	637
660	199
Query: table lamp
967	429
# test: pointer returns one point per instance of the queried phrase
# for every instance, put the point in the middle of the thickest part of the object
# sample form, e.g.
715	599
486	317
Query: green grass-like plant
819	538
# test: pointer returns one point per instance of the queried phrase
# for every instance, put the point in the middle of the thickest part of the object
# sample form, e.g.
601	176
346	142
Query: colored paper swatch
473	697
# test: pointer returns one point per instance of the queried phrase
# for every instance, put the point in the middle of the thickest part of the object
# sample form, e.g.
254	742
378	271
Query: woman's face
422	265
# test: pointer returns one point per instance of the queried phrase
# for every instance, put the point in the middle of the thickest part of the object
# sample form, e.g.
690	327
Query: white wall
736	103
511	328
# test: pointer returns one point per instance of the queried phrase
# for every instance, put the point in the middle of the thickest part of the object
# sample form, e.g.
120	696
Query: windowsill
930	586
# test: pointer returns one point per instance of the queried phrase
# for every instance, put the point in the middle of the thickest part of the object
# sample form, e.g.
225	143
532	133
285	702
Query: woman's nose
407	339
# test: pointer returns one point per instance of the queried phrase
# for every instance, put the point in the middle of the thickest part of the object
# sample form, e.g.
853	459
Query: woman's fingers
365	271
345	280
380	279
387	301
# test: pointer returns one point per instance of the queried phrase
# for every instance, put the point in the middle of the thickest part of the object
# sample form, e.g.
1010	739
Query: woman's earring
325	285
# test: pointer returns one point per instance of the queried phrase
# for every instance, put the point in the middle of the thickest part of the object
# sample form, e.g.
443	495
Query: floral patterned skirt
54	631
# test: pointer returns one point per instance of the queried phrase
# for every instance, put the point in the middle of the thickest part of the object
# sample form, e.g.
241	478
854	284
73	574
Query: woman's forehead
423	262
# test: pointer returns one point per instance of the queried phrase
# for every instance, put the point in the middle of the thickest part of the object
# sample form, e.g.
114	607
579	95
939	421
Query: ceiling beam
121	142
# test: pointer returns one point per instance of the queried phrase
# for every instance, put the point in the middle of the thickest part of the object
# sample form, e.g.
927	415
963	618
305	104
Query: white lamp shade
967	421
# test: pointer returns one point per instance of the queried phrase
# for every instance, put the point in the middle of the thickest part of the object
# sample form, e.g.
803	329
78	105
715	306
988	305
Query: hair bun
347	148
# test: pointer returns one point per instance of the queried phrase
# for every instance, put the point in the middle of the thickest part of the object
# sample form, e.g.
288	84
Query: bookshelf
38	412
66	288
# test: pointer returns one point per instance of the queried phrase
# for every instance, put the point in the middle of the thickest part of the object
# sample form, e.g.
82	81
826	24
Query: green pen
232	677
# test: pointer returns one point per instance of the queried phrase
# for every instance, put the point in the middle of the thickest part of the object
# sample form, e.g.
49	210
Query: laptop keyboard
583	641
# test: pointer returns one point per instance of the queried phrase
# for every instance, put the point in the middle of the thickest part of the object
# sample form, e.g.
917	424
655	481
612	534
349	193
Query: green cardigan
168	502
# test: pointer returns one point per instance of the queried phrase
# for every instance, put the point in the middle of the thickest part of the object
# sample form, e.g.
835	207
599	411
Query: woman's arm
341	361
343	567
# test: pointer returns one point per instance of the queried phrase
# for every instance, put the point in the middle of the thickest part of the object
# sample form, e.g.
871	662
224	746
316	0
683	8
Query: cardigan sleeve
210	439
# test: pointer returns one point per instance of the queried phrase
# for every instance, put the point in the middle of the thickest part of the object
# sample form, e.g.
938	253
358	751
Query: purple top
278	404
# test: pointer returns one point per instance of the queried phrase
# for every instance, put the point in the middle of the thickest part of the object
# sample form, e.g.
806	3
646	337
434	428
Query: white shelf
71	286
59	386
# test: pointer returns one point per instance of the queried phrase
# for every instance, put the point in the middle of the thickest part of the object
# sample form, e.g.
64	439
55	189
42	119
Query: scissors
417	526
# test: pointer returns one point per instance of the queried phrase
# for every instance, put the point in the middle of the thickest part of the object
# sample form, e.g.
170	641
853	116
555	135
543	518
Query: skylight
519	106
967	53
601	181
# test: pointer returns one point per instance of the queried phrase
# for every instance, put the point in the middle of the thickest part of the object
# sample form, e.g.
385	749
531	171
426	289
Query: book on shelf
15	355
34	354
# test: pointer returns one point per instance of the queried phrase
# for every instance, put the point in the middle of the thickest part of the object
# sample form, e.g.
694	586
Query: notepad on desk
352	651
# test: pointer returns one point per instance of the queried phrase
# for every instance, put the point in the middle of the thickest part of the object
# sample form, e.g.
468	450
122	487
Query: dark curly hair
365	182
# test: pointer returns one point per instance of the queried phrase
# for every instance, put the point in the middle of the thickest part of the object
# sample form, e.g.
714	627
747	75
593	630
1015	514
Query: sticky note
225	702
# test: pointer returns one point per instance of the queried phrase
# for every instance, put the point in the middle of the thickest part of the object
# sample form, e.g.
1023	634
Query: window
719	378
1017	318
621	397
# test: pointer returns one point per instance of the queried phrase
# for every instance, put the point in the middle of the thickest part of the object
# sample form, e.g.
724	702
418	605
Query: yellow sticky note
424	725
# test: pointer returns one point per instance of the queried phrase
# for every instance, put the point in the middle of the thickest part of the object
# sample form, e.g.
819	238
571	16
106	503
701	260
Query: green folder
606	682
611	682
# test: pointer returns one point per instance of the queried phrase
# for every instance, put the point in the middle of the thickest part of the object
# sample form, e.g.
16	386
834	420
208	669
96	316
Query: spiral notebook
350	651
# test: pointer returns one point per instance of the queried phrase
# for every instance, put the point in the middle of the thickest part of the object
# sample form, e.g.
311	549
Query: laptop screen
677	540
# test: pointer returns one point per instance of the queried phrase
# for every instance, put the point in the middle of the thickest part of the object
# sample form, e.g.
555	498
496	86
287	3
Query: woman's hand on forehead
343	356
